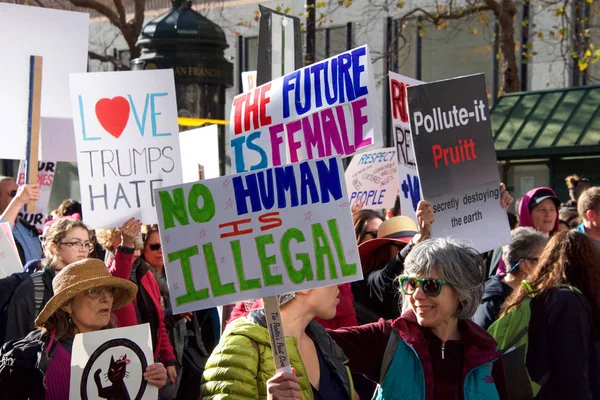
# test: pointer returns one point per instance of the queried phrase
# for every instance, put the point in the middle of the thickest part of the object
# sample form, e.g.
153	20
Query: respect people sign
372	178
127	140
257	234
321	110
456	160
410	186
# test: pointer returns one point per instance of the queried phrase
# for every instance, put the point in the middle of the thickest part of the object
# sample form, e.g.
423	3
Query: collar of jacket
334	356
480	346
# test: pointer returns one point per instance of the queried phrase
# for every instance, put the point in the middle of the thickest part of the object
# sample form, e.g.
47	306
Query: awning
560	122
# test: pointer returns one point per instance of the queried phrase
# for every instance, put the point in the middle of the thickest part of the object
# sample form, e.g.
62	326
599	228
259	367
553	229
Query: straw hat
81	276
397	230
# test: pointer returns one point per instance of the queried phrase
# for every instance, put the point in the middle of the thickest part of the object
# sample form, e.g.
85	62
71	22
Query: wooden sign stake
33	123
279	54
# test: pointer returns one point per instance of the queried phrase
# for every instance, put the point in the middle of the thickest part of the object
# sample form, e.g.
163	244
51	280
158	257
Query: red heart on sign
113	114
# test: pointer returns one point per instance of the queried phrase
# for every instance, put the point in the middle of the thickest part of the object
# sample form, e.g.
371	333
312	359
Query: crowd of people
432	318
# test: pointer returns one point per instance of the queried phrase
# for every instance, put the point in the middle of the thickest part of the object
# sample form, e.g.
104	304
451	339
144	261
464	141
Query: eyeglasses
154	246
98	292
532	259
432	287
12	193
80	246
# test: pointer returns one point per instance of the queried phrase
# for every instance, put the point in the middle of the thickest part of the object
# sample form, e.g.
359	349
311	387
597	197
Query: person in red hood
538	209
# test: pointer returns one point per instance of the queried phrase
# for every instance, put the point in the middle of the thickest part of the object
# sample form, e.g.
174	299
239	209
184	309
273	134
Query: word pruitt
438	120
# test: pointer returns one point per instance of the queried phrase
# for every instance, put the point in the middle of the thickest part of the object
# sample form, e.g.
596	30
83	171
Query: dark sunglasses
432	287
12	193
154	246
372	233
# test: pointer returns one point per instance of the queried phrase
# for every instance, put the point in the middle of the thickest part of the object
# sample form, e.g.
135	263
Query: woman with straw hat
85	294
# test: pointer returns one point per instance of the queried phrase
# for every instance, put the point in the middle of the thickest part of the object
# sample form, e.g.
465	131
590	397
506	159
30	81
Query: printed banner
410	186
45	179
257	234
127	141
456	160
10	262
372	178
325	109
61	38
110	364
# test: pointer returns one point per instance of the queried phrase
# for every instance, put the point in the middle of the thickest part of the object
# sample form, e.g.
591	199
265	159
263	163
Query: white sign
257	234
199	153
9	255
127	141
372	178
46	170
409	184
61	38
321	110
110	364
248	81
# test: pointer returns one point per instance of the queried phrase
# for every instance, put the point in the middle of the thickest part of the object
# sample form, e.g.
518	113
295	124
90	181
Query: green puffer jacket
236	371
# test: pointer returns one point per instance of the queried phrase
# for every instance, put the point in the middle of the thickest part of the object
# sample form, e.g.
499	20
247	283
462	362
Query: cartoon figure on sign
116	374
124	374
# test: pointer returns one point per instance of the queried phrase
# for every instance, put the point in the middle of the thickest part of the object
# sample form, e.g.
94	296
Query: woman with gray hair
433	350
520	256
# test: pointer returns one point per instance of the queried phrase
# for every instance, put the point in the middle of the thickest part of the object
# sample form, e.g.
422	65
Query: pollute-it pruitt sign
257	234
456	160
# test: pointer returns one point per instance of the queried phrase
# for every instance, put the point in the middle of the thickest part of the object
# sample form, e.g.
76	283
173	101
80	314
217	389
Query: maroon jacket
126	316
444	378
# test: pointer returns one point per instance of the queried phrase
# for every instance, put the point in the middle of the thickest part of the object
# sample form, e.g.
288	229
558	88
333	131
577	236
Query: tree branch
101	8
120	11
105	58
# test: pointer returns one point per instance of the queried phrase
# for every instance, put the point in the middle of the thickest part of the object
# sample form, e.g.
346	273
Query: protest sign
372	178
248	81
127	141
110	364
61	38
325	109
9	255
45	179
257	234
456	160
410	187
199	153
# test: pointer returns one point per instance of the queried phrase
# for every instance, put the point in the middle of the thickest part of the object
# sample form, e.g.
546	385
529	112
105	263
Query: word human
438	120
464	151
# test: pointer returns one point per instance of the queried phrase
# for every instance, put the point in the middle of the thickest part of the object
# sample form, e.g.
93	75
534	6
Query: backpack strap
388	355
38	291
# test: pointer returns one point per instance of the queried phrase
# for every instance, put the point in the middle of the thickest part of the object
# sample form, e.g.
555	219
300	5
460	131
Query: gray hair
525	241
455	262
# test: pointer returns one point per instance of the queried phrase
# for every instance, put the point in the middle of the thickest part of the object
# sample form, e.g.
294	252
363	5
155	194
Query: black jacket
561	344
377	295
494	294
18	309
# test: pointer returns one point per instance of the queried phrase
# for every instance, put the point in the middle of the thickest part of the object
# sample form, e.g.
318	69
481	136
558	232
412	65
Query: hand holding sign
505	198
425	218
27	194
156	375
284	386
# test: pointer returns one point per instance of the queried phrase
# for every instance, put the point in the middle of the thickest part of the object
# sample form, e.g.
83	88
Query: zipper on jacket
443	349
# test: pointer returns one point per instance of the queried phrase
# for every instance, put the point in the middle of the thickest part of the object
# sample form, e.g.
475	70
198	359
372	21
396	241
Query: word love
114	115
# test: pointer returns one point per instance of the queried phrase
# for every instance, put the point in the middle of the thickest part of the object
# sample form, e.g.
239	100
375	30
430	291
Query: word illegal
438	120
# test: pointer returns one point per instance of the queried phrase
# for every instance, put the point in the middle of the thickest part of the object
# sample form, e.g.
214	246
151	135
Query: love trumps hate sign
325	109
127	141
257	234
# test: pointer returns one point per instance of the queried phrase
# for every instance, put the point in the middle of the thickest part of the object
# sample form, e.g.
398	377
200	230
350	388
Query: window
251	54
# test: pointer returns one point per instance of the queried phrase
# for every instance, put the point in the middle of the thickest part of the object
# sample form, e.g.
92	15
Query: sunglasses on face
96	293
79	246
533	260
154	246
432	287
372	233
12	193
